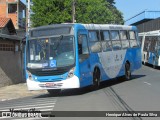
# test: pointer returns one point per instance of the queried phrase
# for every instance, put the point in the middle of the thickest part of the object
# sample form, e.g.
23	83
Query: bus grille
49	73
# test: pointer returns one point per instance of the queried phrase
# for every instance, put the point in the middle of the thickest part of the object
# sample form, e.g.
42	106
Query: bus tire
54	91
96	79
127	71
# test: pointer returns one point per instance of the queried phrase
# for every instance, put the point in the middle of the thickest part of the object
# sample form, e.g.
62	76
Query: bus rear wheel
127	71
54	91
96	79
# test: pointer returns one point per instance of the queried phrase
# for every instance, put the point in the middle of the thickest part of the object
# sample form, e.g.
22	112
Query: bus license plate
50	84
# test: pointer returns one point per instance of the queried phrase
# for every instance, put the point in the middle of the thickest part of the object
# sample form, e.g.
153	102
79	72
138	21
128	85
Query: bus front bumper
64	84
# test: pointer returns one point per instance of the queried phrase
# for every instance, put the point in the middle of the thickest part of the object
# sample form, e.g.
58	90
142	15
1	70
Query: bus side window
146	44
116	43
93	35
140	40
94	41
158	43
132	37
82	44
153	41
124	39
106	41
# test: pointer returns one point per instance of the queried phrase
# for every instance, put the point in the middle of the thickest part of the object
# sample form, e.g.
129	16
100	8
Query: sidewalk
17	91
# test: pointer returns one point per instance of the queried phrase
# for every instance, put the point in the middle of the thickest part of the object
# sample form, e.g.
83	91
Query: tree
111	2
87	11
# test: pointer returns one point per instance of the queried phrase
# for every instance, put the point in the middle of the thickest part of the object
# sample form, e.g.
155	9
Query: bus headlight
71	72
30	77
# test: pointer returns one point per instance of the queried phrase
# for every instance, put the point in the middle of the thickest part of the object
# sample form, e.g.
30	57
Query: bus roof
90	26
150	33
68	28
108	27
52	26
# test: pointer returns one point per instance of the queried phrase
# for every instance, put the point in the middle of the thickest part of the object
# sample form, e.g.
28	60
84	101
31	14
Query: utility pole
29	13
73	11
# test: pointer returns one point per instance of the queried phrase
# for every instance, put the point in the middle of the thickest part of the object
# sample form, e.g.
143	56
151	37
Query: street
139	94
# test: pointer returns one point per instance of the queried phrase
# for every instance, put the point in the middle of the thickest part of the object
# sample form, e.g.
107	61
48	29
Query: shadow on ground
151	66
105	84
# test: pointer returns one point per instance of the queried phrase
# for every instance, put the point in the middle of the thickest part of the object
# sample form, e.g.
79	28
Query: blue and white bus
150	44
64	56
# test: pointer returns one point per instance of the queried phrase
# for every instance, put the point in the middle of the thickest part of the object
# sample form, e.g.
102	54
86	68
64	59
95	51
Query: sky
130	8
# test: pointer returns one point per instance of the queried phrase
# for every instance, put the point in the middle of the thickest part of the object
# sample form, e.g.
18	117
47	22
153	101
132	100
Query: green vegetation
87	11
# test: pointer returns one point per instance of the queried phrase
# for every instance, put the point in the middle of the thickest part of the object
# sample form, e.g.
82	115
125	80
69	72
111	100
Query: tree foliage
111	2
87	11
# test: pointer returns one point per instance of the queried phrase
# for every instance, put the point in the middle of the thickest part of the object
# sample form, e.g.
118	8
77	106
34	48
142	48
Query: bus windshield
51	52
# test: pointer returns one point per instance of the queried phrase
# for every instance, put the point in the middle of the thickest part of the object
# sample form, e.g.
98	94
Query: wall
13	0
3	8
13	16
149	26
11	69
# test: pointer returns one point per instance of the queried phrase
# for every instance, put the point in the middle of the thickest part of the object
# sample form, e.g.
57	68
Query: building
151	25
145	21
11	54
6	26
15	10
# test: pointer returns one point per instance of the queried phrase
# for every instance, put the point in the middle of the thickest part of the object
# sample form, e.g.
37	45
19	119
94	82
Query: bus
66	56
150	44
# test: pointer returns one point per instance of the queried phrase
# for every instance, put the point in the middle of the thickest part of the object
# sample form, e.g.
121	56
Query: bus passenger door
84	64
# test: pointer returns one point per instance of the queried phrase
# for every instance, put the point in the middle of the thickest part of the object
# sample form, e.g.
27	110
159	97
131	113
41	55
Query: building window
12	8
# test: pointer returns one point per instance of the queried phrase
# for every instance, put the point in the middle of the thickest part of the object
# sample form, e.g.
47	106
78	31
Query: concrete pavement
17	91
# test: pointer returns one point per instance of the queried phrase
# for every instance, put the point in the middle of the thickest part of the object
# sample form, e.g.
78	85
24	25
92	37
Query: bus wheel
54	91
127	71
96	79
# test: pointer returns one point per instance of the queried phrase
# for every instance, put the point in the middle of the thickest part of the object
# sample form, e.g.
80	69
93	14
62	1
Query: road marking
47	109
23	106
28	108
37	104
33	103
28	104
37	108
17	103
147	83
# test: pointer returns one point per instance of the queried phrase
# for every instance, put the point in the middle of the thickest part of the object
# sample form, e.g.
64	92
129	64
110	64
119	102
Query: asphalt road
142	93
